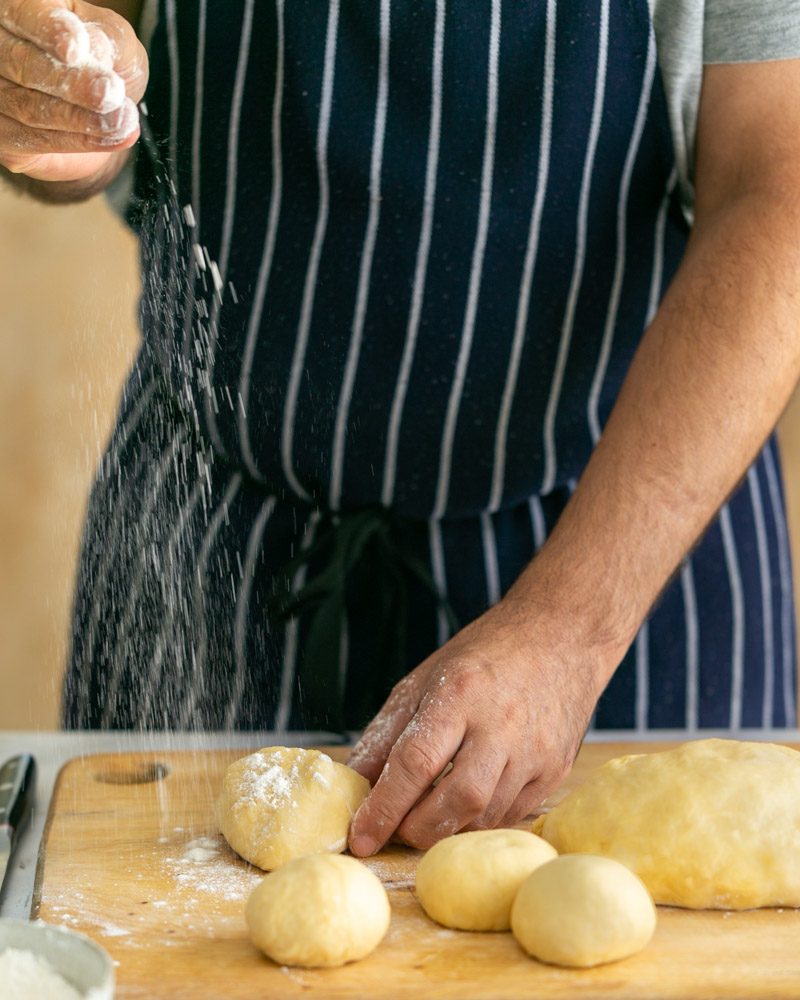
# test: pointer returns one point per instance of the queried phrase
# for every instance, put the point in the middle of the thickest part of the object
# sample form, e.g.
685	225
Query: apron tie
364	561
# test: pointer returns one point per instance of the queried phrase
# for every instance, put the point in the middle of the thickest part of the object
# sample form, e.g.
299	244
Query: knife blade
17	780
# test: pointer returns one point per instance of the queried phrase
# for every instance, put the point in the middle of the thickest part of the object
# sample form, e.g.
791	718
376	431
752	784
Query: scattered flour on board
391	875
201	871
200	875
24	975
72	911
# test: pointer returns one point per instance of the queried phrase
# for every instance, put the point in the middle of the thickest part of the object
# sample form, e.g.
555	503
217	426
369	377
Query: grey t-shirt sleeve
691	33
751	30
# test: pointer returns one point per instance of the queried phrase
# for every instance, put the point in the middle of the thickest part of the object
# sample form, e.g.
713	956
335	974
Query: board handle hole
143	774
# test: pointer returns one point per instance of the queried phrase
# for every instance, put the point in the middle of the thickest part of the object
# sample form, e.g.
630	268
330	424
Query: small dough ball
469	881
581	910
283	802
318	911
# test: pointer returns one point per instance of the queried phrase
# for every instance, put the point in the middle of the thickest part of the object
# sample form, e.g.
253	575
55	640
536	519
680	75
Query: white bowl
83	964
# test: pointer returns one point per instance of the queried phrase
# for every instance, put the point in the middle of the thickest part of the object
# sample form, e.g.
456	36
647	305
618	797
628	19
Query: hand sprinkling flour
72	77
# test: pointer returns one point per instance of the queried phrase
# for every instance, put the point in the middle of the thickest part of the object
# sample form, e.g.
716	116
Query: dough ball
320	910
708	824
469	881
581	910
283	802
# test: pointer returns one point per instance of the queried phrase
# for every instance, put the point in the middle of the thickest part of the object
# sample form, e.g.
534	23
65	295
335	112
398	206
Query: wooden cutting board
131	856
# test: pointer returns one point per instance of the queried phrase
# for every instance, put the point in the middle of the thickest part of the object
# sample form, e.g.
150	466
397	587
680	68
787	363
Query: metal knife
17	780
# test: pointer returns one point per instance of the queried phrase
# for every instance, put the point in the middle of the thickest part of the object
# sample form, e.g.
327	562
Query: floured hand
71	75
507	701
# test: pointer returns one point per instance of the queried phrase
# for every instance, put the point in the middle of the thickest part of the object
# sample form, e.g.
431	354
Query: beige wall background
68	286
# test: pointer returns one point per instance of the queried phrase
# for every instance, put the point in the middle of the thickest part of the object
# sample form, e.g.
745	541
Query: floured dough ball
581	911
320	910
469	881
283	802
711	824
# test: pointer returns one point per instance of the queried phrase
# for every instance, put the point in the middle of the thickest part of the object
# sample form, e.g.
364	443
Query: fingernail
108	93
73	43
363	846
103	49
74	49
120	124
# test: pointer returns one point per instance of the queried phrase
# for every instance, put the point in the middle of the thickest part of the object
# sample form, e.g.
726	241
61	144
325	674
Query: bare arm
66	125
508	698
713	373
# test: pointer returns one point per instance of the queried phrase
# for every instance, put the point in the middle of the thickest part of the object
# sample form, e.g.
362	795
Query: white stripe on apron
622	220
692	632
439	570
787	607
267	254
228	218
549	474
161	644
765	573
196	684
149	513
476	268
243	611
289	666
421	265
490	561
174	80
365	269
531	252
309	288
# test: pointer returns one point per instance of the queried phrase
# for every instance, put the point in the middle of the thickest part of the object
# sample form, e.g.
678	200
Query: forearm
66	192
708	383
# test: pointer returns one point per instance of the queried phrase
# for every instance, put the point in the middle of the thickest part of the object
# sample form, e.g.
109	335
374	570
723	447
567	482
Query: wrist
581	612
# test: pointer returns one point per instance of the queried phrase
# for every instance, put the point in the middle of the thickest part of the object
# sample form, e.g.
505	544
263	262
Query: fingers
50	24
67	31
530	797
31	142
41	111
508	788
129	57
426	746
27	66
372	750
461	797
70	77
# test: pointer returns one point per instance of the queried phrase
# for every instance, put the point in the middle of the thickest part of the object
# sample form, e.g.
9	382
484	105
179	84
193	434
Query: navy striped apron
422	244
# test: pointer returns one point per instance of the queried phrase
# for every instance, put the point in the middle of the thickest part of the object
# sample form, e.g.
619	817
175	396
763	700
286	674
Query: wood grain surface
132	857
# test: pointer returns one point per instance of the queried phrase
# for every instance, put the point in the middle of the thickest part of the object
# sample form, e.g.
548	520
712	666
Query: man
402	265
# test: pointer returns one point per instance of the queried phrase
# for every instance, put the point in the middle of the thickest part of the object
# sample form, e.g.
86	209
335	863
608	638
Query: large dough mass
712	824
284	802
